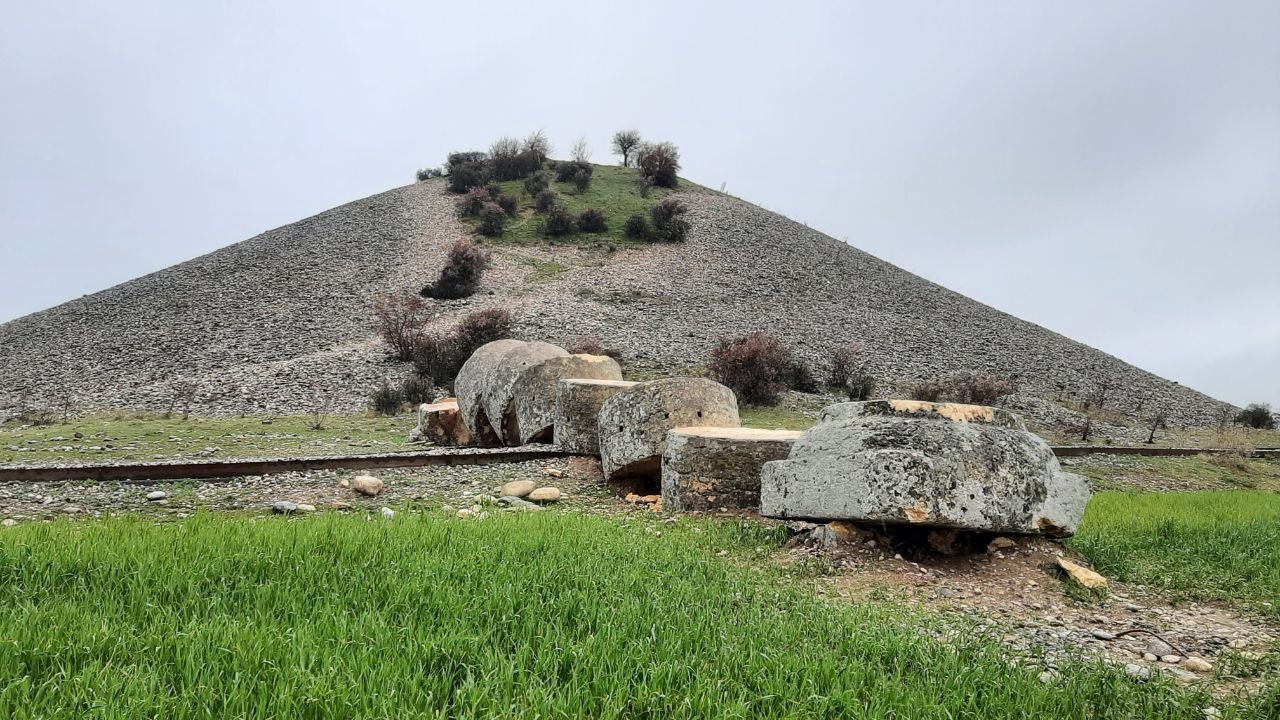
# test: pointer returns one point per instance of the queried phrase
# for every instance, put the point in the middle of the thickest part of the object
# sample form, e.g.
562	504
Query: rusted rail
150	472
144	472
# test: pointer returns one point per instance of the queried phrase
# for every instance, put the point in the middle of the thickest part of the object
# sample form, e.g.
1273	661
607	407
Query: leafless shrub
399	319
756	366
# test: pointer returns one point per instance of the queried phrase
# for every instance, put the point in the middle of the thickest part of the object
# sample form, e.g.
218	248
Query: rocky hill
280	323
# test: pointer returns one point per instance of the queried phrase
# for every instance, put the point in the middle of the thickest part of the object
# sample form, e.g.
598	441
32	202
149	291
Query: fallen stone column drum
441	423
941	464
577	414
500	386
469	387
704	468
536	391
634	423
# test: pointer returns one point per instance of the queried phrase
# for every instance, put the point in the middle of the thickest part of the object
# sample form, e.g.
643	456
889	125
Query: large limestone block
939	464
537	387
634	422
500	387
469	387
577	418
441	423
710	467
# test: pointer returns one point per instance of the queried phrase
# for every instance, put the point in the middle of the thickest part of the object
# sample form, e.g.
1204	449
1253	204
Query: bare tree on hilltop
624	141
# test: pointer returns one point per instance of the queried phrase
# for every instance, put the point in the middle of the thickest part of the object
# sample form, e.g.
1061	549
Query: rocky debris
387	512
441	423
709	467
473	381
536	389
367	485
517	488
634	422
1195	664
1082	575
545	495
1001	543
500	386
577	413
936	464
284	507
156	495
518	503
8	522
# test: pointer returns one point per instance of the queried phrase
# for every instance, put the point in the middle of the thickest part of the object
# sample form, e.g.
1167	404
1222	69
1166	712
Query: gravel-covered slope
275	322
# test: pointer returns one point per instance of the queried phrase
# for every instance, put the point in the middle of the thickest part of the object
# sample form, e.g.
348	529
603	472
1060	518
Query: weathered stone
441	423
544	495
156	495
1081	574
635	421
577	415
470	385
366	485
1196	664
518	488
536	391
704	468
941	464
500	386
517	503
284	507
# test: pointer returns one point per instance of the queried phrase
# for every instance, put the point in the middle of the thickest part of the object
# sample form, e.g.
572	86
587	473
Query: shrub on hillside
756	366
535	184
508	203
567	170
399	319
590	345
659	163
467	170
546	200
559	222
386	400
429	173
417	390
928	390
464	267
979	388
637	228
849	372
802	379
440	357
493	219
472	202
669	224
1257	416
592	220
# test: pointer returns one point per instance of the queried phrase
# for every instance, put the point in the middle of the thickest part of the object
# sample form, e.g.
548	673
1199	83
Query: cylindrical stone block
634	422
577	419
500	387
537	388
469	387
704	468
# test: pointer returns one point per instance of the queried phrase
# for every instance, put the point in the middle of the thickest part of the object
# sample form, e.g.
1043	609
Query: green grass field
1200	472
1214	545
774	418
549	615
143	438
613	191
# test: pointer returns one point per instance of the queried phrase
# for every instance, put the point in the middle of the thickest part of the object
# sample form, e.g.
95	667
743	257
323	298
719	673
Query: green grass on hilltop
143	438
613	191
546	615
1216	545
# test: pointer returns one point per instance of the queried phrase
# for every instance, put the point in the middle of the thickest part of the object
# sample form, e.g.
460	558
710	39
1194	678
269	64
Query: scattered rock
284	507
366	485
518	488
340	505
1104	635
9	522
155	495
1001	543
387	512
1082	575
545	495
1171	659
517	503
305	508
1158	647
1196	664
553	472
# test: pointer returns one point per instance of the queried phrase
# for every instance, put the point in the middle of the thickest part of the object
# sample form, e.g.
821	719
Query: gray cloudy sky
1110	170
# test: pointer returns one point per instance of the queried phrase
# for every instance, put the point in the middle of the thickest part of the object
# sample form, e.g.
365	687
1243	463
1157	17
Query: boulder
517	488
470	385
536	389
577	415
500	386
544	495
441	423
366	485
704	468
634	422
940	464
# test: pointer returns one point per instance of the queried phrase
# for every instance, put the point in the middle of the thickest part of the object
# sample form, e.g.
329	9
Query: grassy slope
147	439
426	615
613	191
1123	472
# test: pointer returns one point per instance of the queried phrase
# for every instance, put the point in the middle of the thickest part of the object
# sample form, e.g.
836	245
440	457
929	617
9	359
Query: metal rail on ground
149	472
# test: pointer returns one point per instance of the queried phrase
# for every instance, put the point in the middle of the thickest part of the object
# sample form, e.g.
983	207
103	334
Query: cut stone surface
941	464
577	415
537	387
441	423
634	422
470	385
500	386
704	468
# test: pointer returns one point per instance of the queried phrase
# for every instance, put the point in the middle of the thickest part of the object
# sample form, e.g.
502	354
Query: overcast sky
1110	170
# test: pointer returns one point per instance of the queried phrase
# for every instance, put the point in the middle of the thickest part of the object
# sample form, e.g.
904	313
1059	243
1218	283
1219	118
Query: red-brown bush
756	366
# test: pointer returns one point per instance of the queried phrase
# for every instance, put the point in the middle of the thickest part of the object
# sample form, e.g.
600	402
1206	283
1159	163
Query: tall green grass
1219	545
546	615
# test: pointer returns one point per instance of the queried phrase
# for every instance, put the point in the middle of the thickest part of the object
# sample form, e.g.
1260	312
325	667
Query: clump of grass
1216	545
548	615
